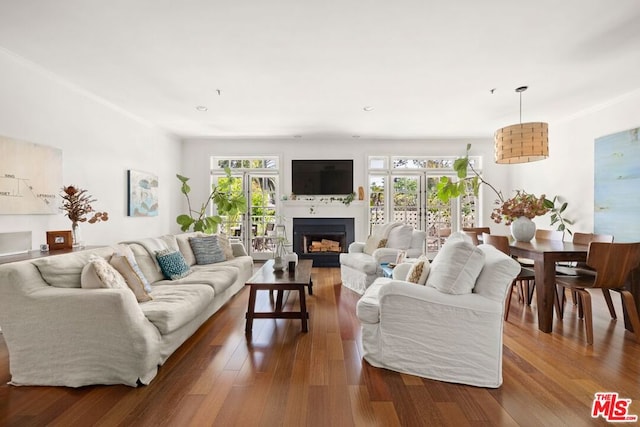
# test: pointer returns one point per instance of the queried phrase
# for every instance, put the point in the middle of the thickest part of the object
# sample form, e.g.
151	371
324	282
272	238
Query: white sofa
60	334
361	265
423	330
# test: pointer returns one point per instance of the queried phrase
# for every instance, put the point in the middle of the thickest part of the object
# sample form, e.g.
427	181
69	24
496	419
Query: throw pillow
172	264
495	278
382	243
225	245
419	271
456	267
124	267
125	250
371	244
99	274
206	250
400	237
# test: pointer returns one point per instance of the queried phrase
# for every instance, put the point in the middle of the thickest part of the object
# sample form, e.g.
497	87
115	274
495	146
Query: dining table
545	253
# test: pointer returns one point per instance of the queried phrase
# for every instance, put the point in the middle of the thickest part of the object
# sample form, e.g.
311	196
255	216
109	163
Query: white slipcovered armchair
449	329
362	264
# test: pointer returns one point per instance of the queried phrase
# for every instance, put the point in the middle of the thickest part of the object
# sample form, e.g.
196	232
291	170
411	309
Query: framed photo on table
59	240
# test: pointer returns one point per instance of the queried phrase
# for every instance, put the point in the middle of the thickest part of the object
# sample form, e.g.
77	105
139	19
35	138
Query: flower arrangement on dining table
523	204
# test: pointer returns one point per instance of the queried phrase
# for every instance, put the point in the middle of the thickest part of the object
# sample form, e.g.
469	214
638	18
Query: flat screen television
316	177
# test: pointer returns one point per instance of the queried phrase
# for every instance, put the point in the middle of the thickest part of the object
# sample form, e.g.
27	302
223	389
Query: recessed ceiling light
201	108
368	108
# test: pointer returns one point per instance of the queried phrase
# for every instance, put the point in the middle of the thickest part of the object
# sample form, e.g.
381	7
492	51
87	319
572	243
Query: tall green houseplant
227	204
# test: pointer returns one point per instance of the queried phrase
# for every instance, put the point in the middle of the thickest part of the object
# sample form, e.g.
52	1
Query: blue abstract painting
143	194
617	186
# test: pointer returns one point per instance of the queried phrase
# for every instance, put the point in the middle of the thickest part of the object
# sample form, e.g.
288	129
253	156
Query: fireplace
322	239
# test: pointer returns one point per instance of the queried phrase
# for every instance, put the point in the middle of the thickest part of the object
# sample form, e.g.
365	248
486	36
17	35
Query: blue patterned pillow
207	249
172	264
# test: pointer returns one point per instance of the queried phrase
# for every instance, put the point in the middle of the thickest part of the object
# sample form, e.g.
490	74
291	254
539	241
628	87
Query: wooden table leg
310	287
545	272
250	310
279	298
303	310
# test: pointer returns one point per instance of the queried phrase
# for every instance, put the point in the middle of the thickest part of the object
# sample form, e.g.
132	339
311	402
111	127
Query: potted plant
227	204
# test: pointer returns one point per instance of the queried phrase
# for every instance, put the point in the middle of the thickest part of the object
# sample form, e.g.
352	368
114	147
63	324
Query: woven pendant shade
521	143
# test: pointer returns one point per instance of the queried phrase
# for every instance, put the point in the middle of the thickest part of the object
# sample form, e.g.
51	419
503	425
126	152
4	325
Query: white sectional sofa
61	334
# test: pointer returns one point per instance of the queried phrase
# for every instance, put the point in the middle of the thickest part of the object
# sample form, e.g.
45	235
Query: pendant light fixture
522	143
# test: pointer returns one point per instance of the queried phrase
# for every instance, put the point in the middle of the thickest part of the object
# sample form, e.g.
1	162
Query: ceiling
309	68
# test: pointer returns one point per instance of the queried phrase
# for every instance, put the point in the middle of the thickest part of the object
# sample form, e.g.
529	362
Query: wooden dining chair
477	231
577	268
522	282
473	236
549	234
612	263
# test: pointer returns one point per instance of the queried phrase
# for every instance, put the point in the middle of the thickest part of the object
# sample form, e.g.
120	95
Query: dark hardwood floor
285	377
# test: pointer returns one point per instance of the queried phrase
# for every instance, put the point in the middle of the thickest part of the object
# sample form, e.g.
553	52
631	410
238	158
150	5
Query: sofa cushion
147	262
172	264
498	270
217	276
456	267
63	271
131	277
225	245
419	271
206	249
400	237
124	250
185	247
98	273
174	306
371	244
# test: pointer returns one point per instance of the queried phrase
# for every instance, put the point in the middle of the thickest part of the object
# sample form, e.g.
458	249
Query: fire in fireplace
322	239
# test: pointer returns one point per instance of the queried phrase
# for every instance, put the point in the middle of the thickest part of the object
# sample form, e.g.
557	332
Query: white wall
568	172
99	144
197	152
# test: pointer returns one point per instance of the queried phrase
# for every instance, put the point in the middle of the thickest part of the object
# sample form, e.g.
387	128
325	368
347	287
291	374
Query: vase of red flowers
518	212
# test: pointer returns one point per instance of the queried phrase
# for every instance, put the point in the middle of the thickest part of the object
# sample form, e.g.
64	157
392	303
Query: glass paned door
255	227
377	205
262	201
407	199
438	219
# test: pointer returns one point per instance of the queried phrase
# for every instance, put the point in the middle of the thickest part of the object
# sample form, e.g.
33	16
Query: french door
255	227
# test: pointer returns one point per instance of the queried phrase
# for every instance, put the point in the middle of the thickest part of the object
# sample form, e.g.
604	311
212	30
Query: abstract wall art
142	193
617	185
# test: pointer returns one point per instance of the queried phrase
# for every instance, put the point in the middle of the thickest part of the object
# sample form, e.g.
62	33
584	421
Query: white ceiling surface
299	67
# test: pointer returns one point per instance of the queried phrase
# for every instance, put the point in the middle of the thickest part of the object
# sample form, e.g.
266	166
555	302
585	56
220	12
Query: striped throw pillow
207	249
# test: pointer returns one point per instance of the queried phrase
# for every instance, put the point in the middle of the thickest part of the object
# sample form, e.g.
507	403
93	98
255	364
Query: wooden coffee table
267	279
